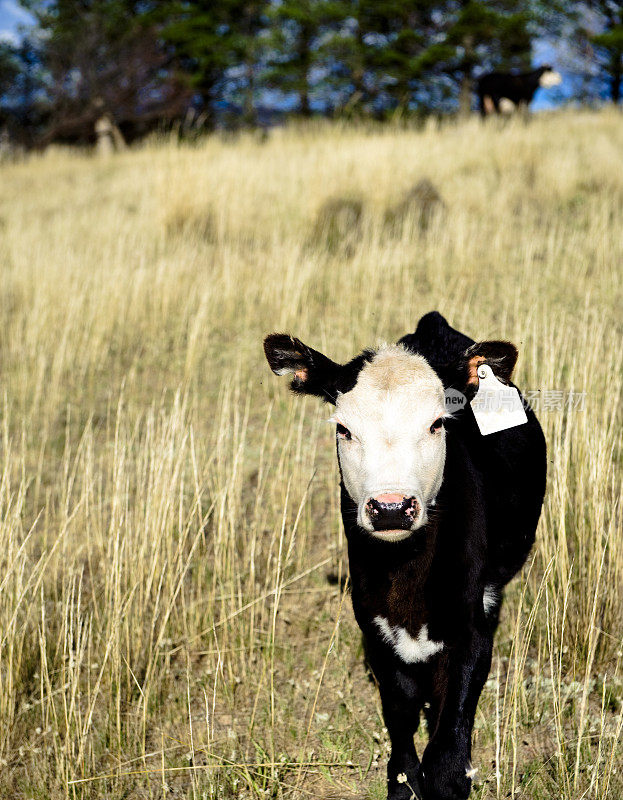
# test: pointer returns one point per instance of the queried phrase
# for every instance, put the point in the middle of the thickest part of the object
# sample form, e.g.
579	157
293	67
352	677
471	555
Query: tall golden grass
173	616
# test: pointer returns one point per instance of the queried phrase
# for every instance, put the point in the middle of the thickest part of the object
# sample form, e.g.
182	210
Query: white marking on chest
405	646
490	598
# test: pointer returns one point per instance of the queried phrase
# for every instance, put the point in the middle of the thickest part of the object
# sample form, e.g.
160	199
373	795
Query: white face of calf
391	442
389	410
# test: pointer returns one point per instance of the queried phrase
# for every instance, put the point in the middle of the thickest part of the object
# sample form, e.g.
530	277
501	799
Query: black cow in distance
503	92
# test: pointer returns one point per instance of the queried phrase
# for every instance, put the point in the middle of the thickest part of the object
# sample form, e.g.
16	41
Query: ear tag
496	406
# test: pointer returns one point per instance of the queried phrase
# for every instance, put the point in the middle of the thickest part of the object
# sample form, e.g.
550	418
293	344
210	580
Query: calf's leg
401	701
458	684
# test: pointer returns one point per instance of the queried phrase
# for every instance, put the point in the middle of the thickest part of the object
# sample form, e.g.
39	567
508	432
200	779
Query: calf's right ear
313	373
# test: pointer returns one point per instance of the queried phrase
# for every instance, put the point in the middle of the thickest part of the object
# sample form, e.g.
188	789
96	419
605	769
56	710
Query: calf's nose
389	499
392	511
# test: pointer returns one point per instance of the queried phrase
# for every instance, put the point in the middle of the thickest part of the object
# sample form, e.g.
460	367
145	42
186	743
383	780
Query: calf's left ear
313	373
500	356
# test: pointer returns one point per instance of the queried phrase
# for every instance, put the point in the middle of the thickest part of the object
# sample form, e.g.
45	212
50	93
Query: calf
501	92
438	519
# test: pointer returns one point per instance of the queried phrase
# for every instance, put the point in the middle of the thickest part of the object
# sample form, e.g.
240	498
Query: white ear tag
496	406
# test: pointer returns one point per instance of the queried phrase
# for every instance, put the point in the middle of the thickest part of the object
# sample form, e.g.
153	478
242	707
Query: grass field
173	615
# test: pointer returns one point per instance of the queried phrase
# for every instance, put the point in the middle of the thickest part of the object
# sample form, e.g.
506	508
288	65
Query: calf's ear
500	356
313	373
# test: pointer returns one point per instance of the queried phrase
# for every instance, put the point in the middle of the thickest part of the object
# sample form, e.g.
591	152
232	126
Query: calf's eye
343	432
437	424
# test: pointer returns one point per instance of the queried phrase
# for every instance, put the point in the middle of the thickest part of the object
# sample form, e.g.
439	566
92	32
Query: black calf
428	604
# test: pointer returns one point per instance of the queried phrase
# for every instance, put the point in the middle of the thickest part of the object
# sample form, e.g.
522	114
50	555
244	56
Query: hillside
172	614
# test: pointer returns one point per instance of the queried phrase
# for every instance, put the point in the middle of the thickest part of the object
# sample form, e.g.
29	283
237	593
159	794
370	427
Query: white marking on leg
506	106
405	646
490	598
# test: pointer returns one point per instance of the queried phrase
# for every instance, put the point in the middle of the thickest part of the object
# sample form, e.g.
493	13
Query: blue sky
11	17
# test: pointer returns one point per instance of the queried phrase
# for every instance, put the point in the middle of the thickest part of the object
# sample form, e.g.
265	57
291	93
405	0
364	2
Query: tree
215	46
197	33
609	43
376	49
590	47
104	57
343	54
24	109
395	34
250	21
9	70
295	45
9	67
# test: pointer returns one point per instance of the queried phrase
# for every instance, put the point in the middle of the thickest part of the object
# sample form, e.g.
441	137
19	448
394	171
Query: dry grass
169	515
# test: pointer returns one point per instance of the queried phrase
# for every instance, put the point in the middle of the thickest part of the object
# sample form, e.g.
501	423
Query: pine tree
24	108
210	39
9	66
296	47
376	52
609	44
199	35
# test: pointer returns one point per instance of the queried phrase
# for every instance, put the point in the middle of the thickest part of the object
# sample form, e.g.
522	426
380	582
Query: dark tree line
197	64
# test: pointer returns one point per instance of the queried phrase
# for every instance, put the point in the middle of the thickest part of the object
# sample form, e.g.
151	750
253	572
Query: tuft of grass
420	204
338	224
173	614
190	222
